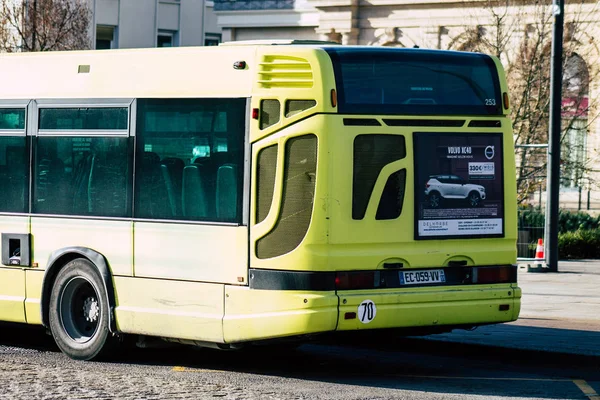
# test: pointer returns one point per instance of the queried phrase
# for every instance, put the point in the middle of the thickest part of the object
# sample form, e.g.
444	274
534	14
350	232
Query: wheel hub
91	309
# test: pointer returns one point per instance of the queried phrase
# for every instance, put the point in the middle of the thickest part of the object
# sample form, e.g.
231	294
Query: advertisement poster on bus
458	185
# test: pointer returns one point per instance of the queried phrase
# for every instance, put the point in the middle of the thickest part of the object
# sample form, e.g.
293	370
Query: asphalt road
31	367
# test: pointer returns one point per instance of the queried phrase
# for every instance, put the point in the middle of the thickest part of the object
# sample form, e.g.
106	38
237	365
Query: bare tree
520	34
44	25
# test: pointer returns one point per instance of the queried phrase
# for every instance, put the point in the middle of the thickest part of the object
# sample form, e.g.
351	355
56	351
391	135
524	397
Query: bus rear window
415	82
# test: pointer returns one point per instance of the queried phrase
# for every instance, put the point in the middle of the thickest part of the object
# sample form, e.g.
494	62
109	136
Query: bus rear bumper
267	314
428	307
256	315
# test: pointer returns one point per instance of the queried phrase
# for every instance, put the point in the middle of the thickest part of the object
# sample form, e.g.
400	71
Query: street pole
34	24
551	242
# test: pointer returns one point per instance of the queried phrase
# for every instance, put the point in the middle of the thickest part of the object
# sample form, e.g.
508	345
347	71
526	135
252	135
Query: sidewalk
560	314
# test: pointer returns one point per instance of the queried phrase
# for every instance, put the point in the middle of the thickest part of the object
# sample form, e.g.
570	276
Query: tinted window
190	159
12	118
266	171
415	81
371	154
82	176
98	118
14	174
270	111
297	198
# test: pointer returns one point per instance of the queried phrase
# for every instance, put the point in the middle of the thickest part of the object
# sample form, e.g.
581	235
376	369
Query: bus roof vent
278	42
280	71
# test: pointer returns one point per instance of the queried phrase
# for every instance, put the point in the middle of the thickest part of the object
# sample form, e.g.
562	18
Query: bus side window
14	174
198	153
82	176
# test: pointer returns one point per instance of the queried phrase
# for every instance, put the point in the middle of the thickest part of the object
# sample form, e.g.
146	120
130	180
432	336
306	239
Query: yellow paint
586	389
335	241
322	76
12	294
33	279
516	309
168	308
262	314
206	253
427	306
12	279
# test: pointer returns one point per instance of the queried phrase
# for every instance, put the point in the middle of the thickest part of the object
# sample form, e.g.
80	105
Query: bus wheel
79	311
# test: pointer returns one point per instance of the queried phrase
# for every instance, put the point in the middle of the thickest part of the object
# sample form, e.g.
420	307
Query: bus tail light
355	280
500	274
255	113
333	98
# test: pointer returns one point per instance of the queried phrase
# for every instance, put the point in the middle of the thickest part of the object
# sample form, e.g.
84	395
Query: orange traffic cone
539	251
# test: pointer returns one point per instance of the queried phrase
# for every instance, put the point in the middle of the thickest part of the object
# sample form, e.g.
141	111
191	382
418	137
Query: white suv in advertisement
440	187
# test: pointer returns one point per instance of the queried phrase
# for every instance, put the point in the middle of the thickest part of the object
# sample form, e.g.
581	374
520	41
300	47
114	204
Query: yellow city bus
252	191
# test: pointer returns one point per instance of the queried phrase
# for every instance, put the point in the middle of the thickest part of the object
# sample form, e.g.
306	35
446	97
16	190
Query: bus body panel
12	294
193	252
263	314
300	73
130	73
413	307
334	241
12	279
34	279
168	308
301	258
113	239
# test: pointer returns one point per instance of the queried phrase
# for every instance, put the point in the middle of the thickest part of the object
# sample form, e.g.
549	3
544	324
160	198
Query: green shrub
572	221
567	221
582	243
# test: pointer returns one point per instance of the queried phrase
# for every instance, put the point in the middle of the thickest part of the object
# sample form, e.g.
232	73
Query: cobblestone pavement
314	372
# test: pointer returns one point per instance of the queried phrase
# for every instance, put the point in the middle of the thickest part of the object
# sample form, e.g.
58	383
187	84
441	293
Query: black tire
474	199
434	200
79	311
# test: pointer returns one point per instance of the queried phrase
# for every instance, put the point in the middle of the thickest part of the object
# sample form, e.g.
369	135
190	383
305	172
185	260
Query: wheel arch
57	260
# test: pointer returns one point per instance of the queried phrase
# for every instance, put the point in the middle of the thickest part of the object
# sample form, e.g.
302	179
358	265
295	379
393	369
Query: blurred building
152	23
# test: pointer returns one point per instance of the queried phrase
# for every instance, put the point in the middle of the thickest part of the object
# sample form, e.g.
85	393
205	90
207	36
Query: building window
212	39
166	39
574	115
573	153
105	37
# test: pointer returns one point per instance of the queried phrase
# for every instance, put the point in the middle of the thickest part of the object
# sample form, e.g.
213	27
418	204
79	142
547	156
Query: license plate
420	277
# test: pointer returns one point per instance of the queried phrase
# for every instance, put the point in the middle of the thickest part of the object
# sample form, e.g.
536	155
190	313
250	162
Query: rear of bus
390	203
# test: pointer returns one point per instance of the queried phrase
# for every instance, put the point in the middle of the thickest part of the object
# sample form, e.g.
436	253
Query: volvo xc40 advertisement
458	185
